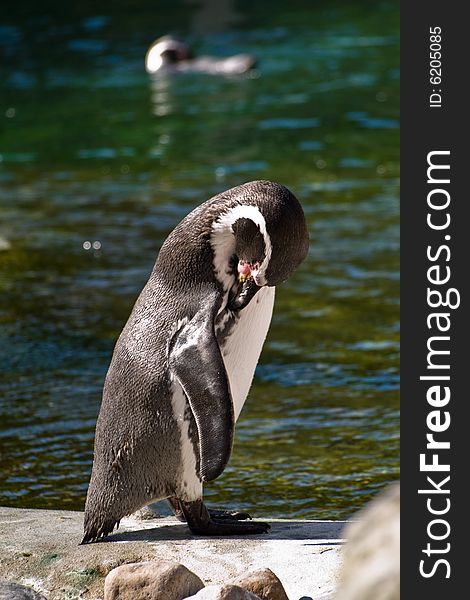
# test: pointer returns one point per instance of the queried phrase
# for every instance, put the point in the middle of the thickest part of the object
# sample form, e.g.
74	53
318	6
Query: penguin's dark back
183	274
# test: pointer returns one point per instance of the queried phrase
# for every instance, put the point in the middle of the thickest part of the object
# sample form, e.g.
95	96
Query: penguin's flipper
196	362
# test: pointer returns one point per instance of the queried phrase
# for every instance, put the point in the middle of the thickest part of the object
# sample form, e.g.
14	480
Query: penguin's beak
247	270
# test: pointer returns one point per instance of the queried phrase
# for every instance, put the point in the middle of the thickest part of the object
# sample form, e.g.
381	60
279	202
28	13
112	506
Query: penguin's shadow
328	533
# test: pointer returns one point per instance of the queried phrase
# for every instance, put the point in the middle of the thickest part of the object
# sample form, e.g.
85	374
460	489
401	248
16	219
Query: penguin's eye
233	261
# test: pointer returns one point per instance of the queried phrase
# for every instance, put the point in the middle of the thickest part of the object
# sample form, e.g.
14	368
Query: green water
92	149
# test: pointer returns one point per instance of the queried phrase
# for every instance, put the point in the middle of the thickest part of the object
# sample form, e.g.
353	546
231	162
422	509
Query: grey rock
158	580
15	591
371	568
224	592
263	583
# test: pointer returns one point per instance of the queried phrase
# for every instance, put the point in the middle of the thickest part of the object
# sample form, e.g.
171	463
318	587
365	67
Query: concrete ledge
40	548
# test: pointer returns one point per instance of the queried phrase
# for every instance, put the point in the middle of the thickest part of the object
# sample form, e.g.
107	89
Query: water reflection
161	88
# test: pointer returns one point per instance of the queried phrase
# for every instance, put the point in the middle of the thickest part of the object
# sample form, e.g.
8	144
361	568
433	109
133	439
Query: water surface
93	150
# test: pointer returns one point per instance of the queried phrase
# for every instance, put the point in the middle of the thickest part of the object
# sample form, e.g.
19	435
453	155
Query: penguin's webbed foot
204	522
214	513
235	515
227	527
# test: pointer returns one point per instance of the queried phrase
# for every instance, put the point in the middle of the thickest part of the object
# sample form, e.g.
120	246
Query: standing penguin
184	362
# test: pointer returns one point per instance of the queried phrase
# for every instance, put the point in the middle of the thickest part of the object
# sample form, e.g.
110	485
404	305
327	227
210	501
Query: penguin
170	55
185	360
166	51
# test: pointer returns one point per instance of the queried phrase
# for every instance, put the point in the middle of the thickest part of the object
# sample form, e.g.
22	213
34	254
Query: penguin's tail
96	528
94	533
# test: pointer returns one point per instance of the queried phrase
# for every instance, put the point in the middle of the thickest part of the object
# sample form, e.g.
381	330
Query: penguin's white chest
242	347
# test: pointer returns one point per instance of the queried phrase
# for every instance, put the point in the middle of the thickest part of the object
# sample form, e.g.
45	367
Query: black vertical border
424	129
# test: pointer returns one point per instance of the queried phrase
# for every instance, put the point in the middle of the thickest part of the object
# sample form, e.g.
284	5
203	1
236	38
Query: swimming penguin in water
168	54
183	365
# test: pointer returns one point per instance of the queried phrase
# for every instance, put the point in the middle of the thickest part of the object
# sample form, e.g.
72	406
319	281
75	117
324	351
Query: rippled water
92	149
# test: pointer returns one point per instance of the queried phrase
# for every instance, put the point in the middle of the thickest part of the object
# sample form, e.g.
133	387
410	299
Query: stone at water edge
262	582
224	592
15	591
159	580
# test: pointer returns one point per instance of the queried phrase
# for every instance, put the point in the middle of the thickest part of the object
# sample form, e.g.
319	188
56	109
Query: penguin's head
261	237
250	249
165	51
